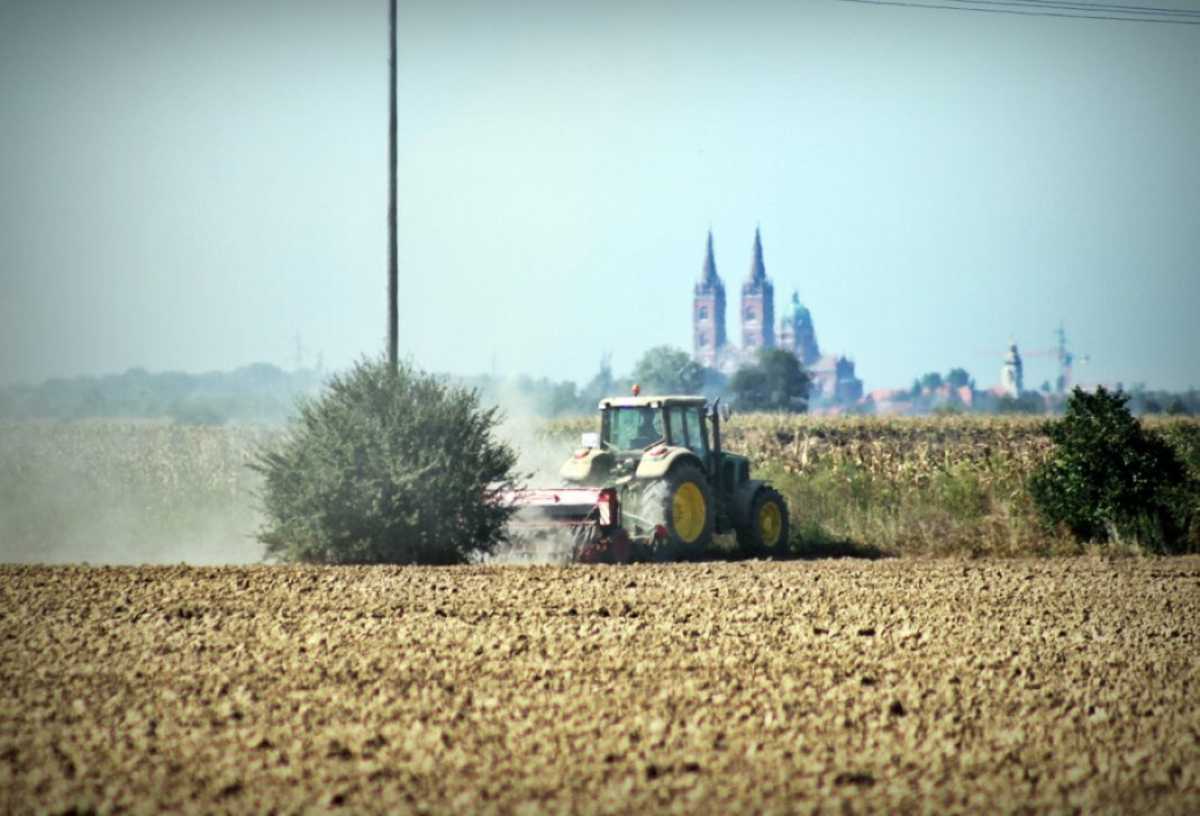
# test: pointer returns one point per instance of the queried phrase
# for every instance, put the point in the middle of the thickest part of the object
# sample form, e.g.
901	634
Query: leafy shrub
1184	438
1108	477
386	467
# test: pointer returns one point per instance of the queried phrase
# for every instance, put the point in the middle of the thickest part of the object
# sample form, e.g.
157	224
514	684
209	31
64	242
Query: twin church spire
834	382
708	309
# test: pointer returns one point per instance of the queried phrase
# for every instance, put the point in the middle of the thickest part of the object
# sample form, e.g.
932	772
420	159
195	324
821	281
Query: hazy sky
193	185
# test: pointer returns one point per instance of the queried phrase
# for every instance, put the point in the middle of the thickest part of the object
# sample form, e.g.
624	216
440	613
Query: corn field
906	485
160	493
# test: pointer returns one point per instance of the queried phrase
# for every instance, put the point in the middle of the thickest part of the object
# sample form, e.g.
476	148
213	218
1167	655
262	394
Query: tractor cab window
633	428
695	432
678	432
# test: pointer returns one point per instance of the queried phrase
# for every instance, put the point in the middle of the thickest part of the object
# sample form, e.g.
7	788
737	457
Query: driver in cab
649	429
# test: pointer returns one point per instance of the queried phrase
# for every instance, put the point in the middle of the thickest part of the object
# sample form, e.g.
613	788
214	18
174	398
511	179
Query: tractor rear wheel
680	504
765	532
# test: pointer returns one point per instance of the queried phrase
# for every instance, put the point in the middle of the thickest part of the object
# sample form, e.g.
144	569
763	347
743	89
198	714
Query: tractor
654	484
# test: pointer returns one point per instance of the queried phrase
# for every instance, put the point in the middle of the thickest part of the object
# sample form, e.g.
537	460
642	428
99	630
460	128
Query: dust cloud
540	455
540	452
152	492
128	493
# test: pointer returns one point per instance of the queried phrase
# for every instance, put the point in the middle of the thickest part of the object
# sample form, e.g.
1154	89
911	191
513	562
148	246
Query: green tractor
655	483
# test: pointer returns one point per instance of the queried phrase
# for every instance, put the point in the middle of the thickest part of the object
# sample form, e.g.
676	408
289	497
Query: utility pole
393	306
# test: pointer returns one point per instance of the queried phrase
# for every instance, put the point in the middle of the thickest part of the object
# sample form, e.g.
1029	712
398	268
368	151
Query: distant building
796	332
833	377
834	380
889	401
1012	374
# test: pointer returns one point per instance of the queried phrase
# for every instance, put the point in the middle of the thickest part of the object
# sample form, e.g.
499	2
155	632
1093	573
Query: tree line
260	392
773	380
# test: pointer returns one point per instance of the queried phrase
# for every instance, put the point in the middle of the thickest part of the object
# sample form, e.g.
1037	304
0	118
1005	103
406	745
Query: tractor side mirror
590	440
725	410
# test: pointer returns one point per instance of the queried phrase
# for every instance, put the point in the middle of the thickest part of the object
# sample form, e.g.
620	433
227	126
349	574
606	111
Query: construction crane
1066	361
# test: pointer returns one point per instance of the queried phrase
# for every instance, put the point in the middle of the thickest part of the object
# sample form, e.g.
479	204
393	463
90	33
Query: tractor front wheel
680	505
765	532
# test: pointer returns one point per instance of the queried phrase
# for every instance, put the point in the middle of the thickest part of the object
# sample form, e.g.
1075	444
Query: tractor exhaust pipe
714	468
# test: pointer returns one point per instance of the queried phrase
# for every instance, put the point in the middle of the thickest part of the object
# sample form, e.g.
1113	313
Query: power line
1047	10
1114	7
1081	6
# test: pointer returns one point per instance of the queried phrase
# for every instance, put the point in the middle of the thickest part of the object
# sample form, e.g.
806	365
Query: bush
386	467
1110	478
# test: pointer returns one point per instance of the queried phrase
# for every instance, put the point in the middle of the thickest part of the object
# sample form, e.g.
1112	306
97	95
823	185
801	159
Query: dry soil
901	685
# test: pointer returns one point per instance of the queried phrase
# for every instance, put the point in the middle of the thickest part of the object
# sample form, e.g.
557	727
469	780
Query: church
833	378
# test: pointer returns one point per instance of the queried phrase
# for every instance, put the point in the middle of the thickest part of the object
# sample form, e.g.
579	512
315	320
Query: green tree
1110	476
958	377
668	370
386	466
599	386
563	399
931	381
776	382
750	389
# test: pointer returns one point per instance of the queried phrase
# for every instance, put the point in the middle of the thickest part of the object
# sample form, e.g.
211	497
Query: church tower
708	313
1012	373
758	303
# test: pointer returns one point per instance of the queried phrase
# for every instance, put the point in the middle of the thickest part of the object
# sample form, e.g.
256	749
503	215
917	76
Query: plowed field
699	688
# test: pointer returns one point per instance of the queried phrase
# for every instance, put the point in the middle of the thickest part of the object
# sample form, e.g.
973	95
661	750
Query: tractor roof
650	402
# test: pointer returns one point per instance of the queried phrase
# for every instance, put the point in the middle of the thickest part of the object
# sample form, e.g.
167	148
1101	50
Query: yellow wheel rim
770	523
687	512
